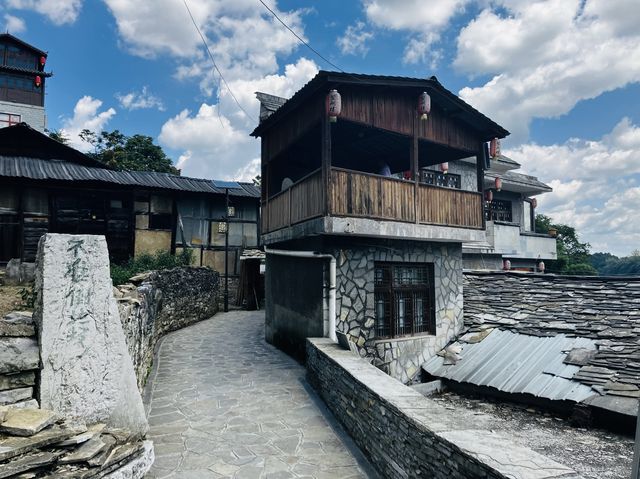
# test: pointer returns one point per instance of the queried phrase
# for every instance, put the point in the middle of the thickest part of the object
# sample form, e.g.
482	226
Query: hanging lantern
334	105
498	183
534	203
506	265
444	167
488	195
38	81
43	60
494	148
541	266
424	105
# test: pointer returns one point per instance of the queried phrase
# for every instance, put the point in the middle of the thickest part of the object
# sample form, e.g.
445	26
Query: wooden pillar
325	138
480	177
415	164
264	183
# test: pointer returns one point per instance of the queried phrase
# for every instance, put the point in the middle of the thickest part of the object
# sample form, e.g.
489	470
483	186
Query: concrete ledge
406	435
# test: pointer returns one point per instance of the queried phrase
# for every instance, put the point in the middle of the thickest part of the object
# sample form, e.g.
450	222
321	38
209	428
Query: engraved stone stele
87	373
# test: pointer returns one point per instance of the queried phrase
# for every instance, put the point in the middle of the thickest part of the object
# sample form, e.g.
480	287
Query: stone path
224	403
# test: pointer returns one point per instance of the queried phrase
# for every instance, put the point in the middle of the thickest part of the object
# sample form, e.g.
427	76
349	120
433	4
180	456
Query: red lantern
541	266
424	105
488	195
498	183
506	265
43	60
494	148
334	105
534	203
38	81
444	167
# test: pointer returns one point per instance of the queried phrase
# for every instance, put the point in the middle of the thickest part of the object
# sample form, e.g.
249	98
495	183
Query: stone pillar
87	373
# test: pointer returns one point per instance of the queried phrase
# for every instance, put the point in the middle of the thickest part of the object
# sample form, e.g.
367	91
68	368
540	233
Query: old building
22	83
511	238
46	186
360	236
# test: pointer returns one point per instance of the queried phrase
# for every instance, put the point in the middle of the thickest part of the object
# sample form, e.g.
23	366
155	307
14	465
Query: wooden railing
373	196
302	201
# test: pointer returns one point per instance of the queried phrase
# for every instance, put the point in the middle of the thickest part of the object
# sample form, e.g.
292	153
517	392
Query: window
447	180
8	119
404	299
499	210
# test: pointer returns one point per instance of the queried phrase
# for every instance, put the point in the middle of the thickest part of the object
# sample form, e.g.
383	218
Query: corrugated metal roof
45	169
517	363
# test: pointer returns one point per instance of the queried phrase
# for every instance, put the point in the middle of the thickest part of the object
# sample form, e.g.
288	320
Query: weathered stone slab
90	433
87	373
14	445
27	463
85	452
17	380
18	354
136	467
11	396
27	422
18	323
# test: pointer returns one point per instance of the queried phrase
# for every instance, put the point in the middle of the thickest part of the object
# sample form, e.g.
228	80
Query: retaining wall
19	359
163	301
406	435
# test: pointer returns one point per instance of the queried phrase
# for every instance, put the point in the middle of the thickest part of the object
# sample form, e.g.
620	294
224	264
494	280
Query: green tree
573	255
58	135
134	153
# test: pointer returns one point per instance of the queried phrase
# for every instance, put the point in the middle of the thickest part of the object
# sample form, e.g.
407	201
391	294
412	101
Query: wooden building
46	186
370	193
22	83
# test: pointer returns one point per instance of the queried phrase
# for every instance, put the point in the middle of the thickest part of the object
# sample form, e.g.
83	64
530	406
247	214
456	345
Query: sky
563	76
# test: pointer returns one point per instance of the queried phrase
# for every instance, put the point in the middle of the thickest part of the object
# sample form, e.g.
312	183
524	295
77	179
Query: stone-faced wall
468	174
401	358
160	302
19	359
406	435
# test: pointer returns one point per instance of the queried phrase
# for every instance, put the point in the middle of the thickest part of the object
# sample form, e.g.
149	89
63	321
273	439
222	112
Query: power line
204	42
300	39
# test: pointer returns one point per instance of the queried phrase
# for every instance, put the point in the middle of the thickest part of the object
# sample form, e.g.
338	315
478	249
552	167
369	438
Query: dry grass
10	299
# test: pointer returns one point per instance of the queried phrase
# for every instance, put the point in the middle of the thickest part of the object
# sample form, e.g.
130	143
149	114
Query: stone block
27	422
17	380
11	396
18	272
17	323
18	354
87	373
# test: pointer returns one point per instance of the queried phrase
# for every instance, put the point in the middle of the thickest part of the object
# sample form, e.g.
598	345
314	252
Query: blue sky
562	75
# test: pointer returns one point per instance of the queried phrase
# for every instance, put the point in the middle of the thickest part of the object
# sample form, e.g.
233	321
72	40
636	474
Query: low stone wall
405	434
19	359
162	301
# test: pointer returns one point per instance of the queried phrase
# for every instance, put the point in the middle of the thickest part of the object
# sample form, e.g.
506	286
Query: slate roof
603	310
519	178
269	104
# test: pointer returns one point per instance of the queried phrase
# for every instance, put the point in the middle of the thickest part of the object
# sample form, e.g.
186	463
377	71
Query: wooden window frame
11	119
391	292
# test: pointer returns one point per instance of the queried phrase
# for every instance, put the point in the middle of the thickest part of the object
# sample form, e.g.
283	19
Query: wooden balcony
364	195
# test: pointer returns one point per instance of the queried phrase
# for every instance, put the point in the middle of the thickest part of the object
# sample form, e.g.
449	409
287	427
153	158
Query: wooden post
325	138
480	175
415	166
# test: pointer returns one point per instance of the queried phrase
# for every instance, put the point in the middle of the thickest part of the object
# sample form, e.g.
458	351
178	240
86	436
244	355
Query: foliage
120	274
135	153
610	265
573	256
28	296
58	135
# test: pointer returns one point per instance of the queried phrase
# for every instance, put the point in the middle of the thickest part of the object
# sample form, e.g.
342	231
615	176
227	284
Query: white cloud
595	185
546	55
215	140
86	115
140	100
354	41
58	11
14	25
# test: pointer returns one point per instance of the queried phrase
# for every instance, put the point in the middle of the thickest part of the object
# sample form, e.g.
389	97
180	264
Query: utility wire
300	39
204	42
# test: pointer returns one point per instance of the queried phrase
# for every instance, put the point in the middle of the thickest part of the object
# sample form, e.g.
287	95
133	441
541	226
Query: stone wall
468	174
160	302
406	435
19	359
401	358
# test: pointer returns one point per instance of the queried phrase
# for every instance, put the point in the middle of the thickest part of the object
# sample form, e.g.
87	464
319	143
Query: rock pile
36	443
19	359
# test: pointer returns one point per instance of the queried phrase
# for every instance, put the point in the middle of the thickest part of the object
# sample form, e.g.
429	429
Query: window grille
499	210
9	119
436	178
404	299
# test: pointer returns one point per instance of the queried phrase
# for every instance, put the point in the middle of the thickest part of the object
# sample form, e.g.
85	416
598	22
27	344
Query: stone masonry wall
19	359
160	302
406	435
401	358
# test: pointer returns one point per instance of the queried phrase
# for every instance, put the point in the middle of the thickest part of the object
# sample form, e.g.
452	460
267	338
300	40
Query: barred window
404	299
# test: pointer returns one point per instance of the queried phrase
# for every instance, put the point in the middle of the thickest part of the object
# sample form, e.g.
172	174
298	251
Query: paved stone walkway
224	403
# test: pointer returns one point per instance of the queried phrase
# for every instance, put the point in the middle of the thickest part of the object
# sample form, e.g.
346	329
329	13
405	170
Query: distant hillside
610	265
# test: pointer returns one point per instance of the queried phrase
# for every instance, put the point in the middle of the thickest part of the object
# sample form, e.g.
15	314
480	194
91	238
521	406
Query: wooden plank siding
449	207
393	111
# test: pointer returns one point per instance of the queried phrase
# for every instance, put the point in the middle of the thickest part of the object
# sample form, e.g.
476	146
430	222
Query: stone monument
87	373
